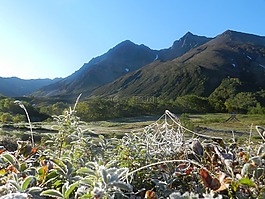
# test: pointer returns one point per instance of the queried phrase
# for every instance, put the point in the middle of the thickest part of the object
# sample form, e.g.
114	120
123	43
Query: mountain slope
124	58
14	87
199	71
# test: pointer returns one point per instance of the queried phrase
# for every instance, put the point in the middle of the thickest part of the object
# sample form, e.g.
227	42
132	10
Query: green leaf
70	189
86	171
86	196
246	181
23	167
65	186
34	189
10	158
58	183
52	176
234	186
88	181
42	172
26	182
52	193
61	166
90	164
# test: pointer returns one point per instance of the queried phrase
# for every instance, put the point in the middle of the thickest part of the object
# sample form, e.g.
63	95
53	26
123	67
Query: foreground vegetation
162	160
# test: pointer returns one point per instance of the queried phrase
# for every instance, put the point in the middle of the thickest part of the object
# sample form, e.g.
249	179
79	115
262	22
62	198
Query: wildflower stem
21	105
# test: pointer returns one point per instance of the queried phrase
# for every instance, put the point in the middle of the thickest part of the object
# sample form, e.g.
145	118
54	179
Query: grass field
218	124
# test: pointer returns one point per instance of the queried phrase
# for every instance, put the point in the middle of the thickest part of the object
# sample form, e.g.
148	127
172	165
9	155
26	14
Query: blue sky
53	38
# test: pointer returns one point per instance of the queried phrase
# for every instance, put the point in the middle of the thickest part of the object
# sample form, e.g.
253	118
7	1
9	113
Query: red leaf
208	181
2	150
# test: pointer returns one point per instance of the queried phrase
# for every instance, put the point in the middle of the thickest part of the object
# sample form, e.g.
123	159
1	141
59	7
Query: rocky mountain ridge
124	58
199	71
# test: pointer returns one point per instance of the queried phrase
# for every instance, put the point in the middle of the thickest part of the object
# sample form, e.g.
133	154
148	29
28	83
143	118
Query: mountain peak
188	34
127	42
189	40
231	35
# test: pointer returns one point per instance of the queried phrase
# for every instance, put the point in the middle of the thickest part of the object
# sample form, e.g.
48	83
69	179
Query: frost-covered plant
156	162
186	195
104	181
68	127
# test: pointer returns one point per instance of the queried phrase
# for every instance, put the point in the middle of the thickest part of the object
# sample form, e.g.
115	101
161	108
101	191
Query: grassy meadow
215	124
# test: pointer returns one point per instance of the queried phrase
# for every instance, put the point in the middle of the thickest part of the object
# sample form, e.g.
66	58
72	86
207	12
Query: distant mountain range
192	65
15	87
123	59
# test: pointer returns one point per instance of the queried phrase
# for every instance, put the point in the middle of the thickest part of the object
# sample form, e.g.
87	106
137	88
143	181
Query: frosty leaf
245	169
70	189
52	193
122	185
27	182
10	158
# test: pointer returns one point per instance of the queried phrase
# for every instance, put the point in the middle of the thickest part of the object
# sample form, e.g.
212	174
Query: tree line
11	112
224	99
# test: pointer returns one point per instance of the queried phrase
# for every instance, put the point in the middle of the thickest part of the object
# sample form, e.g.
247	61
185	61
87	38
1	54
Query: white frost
262	66
249	57
156	57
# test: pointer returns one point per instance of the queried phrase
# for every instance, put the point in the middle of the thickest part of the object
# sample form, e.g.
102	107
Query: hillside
124	58
14	87
199	71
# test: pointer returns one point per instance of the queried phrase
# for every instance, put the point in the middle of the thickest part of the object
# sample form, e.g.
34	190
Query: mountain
181	46
14	87
124	58
198	71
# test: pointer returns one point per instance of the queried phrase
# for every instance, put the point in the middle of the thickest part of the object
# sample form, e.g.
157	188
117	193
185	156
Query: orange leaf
33	150
2	150
149	194
12	169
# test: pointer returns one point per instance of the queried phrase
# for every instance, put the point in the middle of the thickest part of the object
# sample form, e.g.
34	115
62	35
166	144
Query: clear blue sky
53	38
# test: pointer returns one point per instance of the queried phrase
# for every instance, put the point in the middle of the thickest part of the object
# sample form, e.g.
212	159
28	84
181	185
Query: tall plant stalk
21	105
